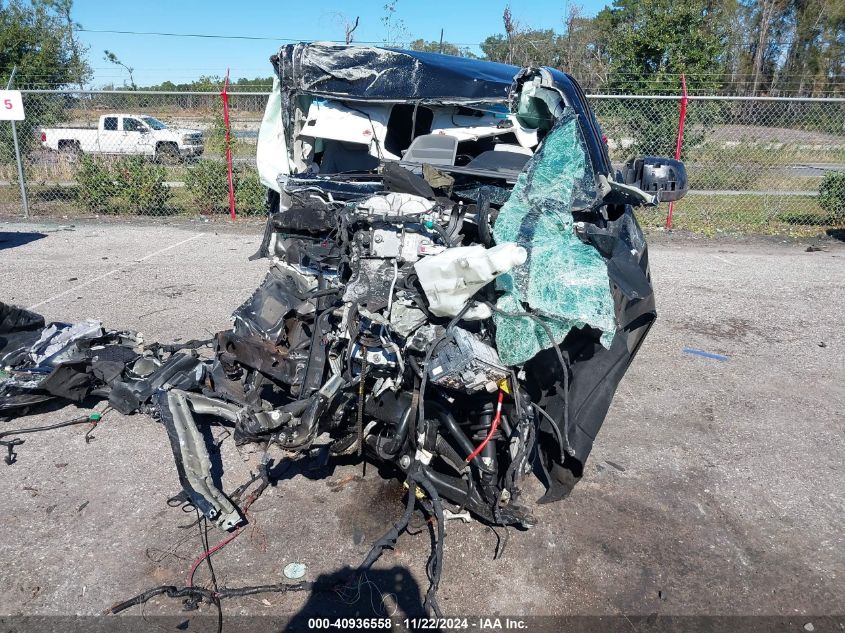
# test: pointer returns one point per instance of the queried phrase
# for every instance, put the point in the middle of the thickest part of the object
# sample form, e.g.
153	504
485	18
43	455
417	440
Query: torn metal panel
182	371
281	293
192	461
54	344
41	361
19	330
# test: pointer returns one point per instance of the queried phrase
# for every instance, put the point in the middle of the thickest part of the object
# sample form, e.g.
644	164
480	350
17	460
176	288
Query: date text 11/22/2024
420	624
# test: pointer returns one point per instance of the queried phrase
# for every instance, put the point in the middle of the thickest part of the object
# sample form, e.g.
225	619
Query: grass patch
759	167
768	215
56	200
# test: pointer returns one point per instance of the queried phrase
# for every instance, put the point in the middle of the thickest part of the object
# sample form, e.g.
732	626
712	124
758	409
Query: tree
584	50
803	52
651	42
349	25
37	37
63	9
522	46
111	57
395	32
434	46
349	30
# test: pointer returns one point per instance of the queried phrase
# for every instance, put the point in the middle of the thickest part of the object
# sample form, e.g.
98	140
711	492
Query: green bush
215	135
250	194
140	184
96	185
832	194
208	186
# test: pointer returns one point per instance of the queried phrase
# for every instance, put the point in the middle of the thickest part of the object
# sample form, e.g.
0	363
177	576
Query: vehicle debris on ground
457	285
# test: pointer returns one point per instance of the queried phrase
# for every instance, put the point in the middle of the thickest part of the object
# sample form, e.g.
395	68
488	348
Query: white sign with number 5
11	105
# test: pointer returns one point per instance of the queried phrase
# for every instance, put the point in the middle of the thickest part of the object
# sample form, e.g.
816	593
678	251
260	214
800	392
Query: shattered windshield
563	279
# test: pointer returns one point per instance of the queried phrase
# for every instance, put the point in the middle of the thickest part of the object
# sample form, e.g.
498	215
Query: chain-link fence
122	152
755	165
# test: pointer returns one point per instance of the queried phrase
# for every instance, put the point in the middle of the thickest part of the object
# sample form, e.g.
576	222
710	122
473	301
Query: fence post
24	202
680	141
225	95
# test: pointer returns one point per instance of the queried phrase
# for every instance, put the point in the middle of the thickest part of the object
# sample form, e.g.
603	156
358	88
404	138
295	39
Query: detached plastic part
452	277
564	281
666	178
394	204
466	364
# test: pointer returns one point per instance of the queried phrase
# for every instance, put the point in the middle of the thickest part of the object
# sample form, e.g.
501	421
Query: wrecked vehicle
458	284
478	281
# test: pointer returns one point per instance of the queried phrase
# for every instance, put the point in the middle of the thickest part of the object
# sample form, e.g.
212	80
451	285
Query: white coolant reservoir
452	277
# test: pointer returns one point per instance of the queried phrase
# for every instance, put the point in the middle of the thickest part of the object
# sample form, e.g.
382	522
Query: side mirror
663	177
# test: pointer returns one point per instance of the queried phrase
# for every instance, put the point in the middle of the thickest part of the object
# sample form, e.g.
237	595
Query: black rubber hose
456	489
441	232
436	565
445	417
400	435
485	235
448	454
390	537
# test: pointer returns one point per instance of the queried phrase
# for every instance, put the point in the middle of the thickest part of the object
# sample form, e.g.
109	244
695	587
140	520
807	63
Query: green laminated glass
563	281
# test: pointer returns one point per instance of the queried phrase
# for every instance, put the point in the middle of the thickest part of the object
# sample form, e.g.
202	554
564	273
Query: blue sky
157	58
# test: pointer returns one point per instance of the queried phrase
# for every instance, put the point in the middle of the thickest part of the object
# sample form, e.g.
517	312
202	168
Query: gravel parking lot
714	488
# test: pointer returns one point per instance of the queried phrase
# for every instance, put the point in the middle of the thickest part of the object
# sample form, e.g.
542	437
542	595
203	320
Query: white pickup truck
126	134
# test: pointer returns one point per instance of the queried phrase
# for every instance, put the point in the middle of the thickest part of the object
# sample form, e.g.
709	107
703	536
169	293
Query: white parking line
111	272
722	259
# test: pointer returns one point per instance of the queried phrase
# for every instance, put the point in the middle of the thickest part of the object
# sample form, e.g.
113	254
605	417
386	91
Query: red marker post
225	95
680	141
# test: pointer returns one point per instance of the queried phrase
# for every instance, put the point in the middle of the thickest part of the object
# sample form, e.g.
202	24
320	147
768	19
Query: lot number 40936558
11	105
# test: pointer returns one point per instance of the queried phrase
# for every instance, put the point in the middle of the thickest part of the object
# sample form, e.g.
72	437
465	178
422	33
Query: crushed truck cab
389	169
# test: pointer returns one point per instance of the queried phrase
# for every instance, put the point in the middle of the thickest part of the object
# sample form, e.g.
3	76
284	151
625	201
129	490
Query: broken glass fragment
564	281
498	195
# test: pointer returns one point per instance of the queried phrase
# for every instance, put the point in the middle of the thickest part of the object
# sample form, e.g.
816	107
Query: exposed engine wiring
206	555
92	418
194	594
564	365
493	428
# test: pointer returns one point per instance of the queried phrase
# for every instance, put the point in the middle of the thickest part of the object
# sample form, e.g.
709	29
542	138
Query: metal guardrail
756	164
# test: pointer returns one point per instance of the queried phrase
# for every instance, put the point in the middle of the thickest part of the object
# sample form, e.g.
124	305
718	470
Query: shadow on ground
379	593
18	238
